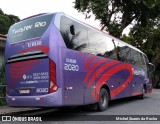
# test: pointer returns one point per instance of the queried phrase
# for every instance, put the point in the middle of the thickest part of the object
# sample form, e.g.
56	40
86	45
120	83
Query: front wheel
102	104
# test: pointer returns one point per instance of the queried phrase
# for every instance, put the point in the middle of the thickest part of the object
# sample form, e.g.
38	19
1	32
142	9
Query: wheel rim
103	100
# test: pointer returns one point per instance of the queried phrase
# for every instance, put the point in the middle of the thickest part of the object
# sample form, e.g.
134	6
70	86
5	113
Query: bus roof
34	16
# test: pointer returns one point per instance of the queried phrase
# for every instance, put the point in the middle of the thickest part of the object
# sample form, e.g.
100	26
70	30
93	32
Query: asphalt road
127	107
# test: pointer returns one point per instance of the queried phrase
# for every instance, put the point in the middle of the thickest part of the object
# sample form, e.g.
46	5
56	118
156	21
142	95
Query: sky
26	8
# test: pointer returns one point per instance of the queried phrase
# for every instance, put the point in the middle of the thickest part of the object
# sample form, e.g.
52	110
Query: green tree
2	88
6	21
116	15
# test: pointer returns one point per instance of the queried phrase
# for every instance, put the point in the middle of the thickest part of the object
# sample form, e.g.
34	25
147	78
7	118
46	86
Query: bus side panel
140	79
72	74
90	89
137	85
92	72
75	91
117	83
73	88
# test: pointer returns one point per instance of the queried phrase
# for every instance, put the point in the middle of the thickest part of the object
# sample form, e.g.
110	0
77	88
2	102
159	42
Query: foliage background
5	22
2	88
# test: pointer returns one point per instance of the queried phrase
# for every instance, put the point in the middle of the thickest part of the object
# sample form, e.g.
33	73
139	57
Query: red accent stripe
25	63
14	69
99	71
149	91
23	70
20	76
110	73
18	72
90	61
95	93
44	49
92	69
17	69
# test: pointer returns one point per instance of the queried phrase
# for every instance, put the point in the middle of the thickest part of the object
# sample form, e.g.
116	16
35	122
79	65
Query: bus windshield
29	28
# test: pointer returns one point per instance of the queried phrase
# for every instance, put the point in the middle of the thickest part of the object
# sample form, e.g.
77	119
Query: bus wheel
143	93
102	104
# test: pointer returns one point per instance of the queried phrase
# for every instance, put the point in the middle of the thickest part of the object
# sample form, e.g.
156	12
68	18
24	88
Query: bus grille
26	56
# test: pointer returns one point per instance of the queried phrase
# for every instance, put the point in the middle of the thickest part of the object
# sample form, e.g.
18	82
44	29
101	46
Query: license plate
24	91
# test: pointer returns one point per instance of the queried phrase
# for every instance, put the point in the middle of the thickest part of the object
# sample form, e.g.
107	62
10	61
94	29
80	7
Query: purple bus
54	60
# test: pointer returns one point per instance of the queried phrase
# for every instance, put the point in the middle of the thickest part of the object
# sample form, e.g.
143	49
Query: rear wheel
143	93
102	104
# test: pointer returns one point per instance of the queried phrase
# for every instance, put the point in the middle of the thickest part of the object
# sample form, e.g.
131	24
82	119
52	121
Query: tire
102	104
142	96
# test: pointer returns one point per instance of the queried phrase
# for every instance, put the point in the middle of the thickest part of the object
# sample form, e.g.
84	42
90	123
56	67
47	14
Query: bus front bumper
48	100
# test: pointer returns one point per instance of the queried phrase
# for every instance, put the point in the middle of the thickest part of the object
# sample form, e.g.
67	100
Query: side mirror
151	67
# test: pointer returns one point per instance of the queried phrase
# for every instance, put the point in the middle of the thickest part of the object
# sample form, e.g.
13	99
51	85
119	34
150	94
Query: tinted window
146	65
74	34
100	44
124	53
131	56
143	64
137	58
30	28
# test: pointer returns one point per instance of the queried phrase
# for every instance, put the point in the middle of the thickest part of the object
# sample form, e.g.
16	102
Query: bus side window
65	24
100	44
128	55
79	39
110	49
147	66
95	41
142	62
74	34
124	53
